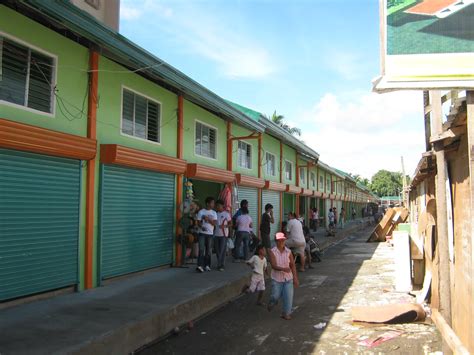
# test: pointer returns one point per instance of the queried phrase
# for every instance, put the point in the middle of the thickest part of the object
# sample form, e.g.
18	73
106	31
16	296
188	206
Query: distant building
387	201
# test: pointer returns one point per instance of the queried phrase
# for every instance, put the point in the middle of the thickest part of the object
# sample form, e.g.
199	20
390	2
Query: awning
306	192
275	186
292	189
203	172
20	136
249	181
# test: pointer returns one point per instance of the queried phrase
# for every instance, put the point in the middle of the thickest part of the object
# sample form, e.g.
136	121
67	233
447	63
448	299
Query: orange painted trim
203	172
120	155
297	170
180	132
281	162
318	194
90	176
275	186
332	196
249	181
307	192
28	138
259	155
251	136
229	146
292	189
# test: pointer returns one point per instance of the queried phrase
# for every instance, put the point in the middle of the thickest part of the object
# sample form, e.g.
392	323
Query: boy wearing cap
284	276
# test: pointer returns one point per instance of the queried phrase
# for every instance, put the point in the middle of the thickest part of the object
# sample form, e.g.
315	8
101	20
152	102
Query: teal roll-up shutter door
136	221
272	197
39	223
251	195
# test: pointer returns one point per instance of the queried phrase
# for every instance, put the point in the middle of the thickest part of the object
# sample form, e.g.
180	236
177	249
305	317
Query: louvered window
140	116
245	155
270	164
321	183
288	170
26	76
313	180
205	141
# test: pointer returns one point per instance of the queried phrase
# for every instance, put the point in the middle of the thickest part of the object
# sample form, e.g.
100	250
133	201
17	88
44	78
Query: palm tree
279	120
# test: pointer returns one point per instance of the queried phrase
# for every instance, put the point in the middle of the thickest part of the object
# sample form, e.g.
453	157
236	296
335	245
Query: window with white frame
321	182
302	176
328	185
288	170
244	155
313	180
140	116
26	76
205	141
270	164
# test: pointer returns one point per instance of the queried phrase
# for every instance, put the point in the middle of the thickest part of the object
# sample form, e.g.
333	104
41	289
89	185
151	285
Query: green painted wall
290	155
288	205
71	76
238	131
271	145
71	83
112	79
192	113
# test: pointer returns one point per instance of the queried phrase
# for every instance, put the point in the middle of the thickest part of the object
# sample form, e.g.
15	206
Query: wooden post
281	162
90	177
179	183
297	171
441	210
470	141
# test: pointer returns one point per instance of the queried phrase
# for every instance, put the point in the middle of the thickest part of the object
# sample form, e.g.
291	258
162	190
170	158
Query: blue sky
312	61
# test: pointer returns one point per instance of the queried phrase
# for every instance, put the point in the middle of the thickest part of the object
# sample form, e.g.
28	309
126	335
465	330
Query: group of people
214	225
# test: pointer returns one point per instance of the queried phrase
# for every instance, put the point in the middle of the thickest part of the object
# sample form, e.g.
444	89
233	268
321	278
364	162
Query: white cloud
236	54
129	13
362	133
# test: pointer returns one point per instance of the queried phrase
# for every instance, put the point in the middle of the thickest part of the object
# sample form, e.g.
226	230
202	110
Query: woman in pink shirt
284	276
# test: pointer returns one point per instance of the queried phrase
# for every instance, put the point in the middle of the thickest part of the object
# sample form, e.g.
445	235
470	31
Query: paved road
352	273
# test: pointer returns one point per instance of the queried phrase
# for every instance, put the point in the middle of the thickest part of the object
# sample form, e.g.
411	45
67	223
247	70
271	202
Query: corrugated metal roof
120	49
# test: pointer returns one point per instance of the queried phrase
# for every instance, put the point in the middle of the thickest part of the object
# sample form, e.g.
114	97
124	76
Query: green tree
386	183
360	179
280	120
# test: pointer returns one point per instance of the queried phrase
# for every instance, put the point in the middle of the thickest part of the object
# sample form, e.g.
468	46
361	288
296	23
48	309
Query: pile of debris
389	222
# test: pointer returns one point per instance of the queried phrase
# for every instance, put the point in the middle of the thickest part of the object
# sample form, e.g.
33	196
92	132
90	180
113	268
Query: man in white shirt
296	239
221	233
207	219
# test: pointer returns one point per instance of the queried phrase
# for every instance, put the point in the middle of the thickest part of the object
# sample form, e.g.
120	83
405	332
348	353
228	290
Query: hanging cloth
226	196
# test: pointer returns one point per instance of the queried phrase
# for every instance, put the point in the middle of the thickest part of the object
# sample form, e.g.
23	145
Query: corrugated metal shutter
39	223
272	197
251	195
136	221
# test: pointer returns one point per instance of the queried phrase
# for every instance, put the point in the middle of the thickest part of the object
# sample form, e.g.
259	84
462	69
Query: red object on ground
370	343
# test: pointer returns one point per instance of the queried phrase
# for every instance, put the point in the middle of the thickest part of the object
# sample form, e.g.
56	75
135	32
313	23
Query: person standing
314	219
296	239
243	225
342	218
334	211
284	276
353	213
221	233
207	219
265	226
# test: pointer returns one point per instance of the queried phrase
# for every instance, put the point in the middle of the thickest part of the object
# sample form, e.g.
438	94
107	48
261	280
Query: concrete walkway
124	315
